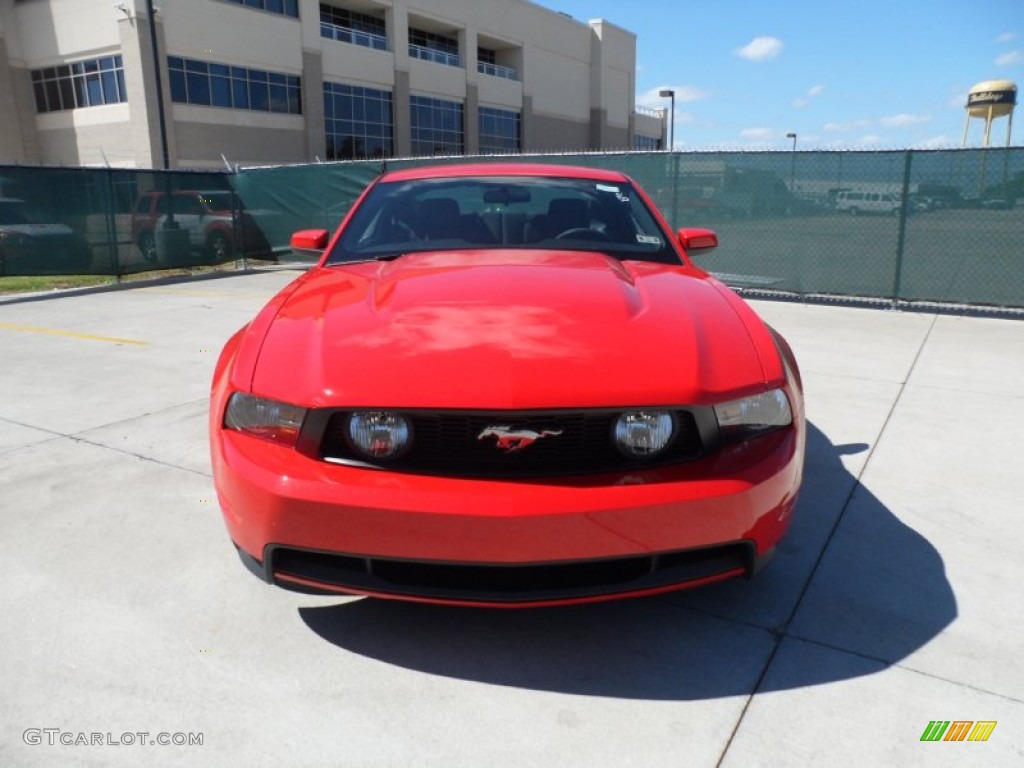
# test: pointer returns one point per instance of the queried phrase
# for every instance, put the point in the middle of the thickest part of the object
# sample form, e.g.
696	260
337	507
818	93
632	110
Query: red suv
216	224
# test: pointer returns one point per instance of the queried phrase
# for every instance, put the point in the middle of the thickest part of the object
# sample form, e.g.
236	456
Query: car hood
509	329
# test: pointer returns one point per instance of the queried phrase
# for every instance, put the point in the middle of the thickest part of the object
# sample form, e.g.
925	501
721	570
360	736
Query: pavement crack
782	632
889	664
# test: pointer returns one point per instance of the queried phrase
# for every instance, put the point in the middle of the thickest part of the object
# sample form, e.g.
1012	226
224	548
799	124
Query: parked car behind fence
855	202
32	243
216	223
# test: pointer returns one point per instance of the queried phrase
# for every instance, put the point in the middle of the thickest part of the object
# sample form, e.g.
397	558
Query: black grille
509	583
578	442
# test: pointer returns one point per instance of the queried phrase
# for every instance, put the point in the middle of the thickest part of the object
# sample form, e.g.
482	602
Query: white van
867	202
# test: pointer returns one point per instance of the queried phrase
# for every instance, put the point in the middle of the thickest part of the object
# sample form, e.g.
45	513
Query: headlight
379	434
640	434
749	416
264	418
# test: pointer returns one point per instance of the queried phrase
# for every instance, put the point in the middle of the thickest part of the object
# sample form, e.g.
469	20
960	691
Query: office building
257	82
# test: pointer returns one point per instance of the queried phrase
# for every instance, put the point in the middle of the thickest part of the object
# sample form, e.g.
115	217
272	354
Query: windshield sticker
648	239
622	198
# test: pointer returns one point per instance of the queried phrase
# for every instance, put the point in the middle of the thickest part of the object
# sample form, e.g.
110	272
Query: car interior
567	214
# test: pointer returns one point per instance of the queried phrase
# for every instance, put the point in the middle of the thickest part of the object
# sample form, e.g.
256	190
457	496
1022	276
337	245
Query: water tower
988	100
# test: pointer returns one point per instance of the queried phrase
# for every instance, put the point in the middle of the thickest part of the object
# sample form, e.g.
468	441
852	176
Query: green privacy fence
941	225
110	221
920	225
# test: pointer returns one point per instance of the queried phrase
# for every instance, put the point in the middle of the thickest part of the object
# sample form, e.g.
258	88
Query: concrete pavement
895	601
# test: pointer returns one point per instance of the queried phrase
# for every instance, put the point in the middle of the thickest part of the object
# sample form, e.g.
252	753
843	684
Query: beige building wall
50	33
575	90
652	123
613	87
13	133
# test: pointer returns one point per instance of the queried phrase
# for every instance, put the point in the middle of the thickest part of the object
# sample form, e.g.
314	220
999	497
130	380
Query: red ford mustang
506	385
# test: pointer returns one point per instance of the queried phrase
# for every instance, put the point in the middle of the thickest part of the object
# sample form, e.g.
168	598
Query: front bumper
313	526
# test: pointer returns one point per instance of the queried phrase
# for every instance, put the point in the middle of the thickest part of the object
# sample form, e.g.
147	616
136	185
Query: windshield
403	217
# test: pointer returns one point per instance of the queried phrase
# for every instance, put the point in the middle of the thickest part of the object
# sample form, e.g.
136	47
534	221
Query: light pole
170	241
792	163
159	84
668	93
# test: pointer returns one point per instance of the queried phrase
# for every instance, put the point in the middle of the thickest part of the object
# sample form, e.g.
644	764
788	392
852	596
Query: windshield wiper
366	259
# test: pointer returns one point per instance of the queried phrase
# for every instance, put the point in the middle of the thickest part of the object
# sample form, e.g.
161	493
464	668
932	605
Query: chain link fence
907	226
73	221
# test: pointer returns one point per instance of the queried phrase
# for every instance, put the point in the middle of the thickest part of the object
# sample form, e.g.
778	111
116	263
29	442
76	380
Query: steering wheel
582	233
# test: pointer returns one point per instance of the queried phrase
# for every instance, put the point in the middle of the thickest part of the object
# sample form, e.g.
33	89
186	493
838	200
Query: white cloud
1009	59
902	120
854	125
1006	37
935	142
760	49
870	140
684	93
812	93
740	146
760	134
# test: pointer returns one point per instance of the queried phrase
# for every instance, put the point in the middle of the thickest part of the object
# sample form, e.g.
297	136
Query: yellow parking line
71	334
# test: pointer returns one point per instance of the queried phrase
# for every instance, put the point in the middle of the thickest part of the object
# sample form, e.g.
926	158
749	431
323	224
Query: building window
219	85
284	7
80	84
358	122
646	143
487	64
499	131
433	47
352	27
436	126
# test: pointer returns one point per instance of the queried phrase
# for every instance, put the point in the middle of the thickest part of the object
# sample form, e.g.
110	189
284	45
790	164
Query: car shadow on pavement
880	593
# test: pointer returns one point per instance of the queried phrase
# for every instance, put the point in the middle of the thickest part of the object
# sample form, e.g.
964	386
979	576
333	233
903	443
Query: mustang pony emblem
510	440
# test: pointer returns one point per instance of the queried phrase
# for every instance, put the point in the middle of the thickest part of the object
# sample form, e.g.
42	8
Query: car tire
147	247
218	247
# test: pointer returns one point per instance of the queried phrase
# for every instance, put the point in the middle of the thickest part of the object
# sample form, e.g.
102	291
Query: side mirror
310	240
697	239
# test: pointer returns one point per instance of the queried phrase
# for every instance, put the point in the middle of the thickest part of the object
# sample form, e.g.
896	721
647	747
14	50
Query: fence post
902	237
238	226
112	239
674	165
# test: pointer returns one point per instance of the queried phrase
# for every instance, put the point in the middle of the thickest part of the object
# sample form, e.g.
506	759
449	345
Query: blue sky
851	74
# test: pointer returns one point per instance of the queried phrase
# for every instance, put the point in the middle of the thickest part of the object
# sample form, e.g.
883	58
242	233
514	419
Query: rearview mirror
697	239
504	195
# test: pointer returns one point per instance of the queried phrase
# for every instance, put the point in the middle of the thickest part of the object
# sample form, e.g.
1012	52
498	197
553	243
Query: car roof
504	169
